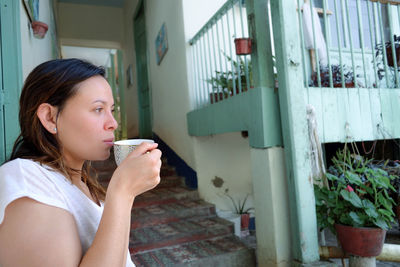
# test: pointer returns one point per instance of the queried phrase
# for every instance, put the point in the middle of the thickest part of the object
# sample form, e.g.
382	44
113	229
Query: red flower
349	188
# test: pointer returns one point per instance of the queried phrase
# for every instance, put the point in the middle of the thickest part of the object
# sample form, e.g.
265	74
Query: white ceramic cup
122	148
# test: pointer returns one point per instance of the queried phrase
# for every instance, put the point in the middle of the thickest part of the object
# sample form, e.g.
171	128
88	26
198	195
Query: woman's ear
47	115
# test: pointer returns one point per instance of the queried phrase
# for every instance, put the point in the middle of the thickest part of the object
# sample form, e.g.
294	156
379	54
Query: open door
145	127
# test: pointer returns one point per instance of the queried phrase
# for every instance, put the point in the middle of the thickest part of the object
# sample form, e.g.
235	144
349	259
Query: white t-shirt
27	178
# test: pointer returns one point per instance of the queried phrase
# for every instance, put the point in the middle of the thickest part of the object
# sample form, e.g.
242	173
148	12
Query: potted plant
243	46
240	208
336	70
226	83
39	29
356	206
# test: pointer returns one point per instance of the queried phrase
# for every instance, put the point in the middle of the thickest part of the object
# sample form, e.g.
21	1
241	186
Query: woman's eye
99	109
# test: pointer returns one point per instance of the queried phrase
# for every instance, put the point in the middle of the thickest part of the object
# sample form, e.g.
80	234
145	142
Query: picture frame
161	43
129	76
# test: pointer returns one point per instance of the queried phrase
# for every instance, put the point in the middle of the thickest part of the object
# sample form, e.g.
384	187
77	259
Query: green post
295	131
267	161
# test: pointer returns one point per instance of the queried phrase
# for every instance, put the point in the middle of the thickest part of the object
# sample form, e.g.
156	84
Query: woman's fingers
142	149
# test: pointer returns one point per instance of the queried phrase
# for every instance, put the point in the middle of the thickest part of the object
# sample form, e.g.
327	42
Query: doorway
139	25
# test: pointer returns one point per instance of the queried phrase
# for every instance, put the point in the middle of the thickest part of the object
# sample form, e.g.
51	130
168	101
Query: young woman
52	212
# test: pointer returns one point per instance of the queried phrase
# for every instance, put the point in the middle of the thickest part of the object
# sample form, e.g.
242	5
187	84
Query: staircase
172	226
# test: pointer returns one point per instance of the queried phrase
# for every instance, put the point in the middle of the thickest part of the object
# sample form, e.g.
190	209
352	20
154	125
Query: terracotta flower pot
361	241
389	55
39	29
243	46
244	221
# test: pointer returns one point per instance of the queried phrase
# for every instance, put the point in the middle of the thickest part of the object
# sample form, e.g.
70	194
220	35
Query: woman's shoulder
20	165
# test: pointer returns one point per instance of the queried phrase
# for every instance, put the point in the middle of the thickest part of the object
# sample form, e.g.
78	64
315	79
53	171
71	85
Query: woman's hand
137	173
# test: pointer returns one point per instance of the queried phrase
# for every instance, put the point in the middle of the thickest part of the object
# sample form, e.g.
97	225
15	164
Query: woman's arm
35	234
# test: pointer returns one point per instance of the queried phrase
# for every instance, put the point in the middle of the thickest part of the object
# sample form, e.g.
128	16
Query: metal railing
350	43
218	72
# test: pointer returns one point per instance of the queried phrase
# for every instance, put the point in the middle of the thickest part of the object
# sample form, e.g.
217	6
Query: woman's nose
111	123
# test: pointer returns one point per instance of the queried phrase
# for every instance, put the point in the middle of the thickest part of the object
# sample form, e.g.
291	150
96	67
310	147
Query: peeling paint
218	182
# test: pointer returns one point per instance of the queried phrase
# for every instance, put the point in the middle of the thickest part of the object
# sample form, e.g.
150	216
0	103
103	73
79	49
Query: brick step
219	251
170	212
174	233
168	181
171	181
164	195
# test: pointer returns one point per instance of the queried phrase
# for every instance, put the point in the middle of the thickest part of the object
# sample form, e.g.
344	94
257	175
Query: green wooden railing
218	72
361	43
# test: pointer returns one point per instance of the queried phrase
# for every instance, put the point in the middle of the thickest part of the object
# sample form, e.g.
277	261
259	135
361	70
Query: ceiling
97	56
112	3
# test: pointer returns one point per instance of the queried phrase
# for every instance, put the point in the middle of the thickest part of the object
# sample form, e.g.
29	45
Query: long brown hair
52	82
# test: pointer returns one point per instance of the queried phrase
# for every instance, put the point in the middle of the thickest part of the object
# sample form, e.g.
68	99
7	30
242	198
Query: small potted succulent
240	208
356	206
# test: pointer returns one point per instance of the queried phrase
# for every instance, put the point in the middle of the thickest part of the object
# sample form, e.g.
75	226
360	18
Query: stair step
164	195
219	251
170	212
182	231
167	170
171	181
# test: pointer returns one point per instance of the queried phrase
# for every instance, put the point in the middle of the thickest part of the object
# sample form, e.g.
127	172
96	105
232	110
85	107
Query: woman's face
85	127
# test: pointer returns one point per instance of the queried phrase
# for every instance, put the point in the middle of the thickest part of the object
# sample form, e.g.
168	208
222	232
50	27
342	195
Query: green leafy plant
240	206
358	194
225	81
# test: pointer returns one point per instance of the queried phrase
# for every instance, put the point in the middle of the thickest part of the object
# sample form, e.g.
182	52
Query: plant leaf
352	198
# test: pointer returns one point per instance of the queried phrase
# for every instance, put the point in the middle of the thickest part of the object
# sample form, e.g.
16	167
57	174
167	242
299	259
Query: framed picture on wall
129	76
161	44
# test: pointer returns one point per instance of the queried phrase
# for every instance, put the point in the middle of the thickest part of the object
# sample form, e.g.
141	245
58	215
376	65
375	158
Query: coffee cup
122	148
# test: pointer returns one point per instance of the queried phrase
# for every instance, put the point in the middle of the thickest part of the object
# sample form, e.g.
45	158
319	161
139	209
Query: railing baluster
327	41
318	69
351	44
340	42
394	58
303	46
237	57
231	55
372	42
383	43
361	35
194	80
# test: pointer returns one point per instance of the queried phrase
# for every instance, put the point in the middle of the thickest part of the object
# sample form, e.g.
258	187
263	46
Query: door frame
10	76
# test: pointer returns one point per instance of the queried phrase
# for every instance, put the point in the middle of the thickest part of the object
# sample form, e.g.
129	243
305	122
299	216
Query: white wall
168	81
86	25
35	51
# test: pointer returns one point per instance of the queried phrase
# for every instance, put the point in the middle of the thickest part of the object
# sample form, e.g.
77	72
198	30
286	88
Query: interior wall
35	51
91	24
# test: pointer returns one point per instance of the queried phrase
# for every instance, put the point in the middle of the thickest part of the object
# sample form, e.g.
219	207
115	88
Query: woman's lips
109	142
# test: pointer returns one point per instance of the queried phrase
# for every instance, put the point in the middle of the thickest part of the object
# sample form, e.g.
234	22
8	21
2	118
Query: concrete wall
35	51
89	25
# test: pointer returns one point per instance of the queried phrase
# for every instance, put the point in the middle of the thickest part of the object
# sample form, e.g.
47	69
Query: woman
52	212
